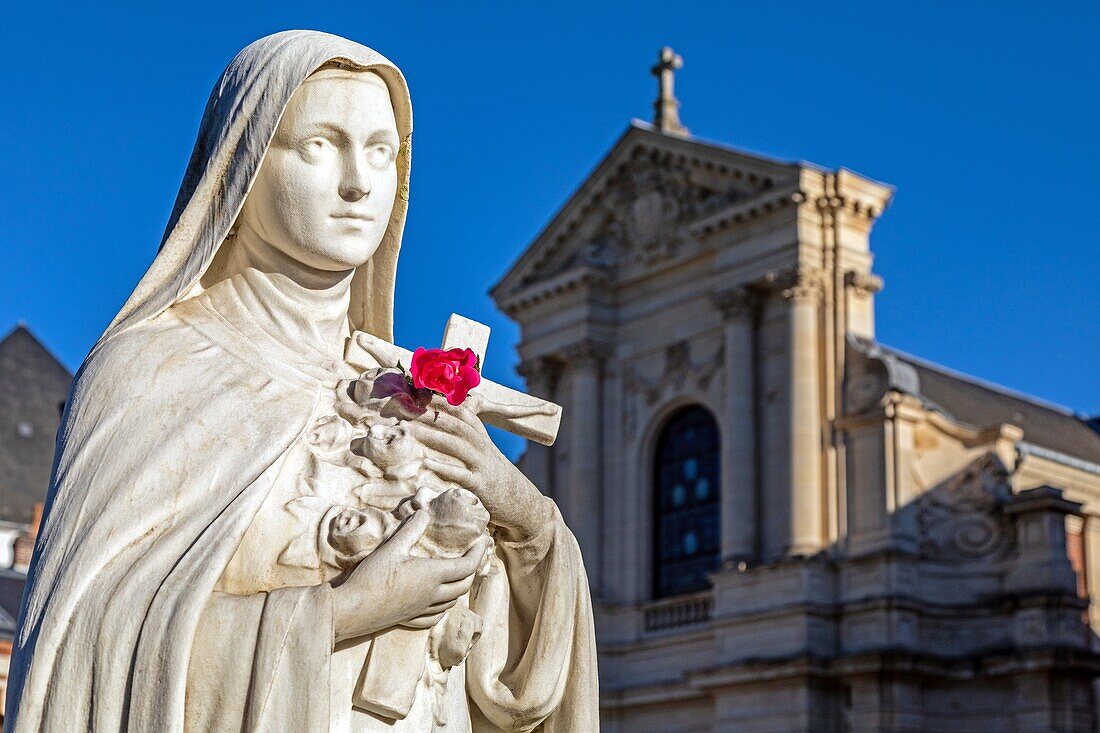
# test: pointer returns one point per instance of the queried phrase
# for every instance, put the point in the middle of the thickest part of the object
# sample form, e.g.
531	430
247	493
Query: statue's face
326	187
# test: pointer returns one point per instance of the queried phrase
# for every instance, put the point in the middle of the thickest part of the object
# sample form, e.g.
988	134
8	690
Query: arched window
687	507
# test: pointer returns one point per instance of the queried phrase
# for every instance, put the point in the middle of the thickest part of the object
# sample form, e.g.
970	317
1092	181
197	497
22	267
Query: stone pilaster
581	496
739	493
807	510
859	299
540	375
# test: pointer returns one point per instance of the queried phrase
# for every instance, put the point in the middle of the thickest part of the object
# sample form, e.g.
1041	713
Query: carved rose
387	394
391	449
458	520
452	372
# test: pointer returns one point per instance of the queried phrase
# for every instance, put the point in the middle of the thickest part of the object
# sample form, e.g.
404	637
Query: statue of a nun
210	559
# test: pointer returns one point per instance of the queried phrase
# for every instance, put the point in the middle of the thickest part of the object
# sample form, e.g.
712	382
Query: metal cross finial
667	107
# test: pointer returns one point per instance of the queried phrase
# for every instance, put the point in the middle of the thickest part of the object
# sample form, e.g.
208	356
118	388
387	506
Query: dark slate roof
11	594
975	402
33	386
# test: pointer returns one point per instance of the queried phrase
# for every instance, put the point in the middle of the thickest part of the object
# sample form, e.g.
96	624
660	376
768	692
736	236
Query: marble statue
255	522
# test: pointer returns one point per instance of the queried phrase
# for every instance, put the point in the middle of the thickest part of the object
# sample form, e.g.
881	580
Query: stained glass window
687	507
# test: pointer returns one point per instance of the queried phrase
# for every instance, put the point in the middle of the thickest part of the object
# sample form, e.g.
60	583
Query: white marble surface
247	528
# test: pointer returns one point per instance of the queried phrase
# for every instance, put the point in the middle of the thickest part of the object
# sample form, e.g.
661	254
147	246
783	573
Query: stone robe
179	431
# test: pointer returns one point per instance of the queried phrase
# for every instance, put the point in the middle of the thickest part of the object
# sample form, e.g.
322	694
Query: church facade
787	525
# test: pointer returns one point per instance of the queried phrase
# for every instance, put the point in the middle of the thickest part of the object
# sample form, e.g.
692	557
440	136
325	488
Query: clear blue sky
984	115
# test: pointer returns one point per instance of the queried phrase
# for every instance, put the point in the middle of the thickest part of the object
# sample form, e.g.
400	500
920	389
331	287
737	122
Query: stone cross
667	107
505	408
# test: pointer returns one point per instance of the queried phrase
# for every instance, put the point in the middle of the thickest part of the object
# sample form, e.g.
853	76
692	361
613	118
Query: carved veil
240	119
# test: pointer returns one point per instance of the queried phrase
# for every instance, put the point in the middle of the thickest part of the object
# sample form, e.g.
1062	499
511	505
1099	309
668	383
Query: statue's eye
315	146
379	155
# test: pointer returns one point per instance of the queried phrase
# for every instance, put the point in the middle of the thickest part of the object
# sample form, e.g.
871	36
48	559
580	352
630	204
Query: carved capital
800	285
585	354
540	373
740	302
864	283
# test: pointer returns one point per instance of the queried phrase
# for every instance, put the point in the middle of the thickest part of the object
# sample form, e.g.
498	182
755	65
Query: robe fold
145	630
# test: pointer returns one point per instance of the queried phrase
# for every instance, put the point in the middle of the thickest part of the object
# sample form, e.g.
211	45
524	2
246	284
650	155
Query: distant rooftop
976	402
33	388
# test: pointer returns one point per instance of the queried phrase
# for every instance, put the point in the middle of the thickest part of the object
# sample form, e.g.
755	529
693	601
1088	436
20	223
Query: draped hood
237	127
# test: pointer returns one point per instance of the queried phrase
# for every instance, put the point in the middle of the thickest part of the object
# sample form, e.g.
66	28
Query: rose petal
438	376
469	376
445	371
458	394
416	364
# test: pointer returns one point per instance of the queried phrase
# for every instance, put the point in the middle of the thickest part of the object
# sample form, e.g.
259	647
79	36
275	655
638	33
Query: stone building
787	525
33	388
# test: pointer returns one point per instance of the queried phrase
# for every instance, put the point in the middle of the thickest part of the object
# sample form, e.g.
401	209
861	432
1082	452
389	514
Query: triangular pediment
645	202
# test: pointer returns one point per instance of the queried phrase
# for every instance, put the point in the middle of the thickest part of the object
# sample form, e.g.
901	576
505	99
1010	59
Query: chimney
24	543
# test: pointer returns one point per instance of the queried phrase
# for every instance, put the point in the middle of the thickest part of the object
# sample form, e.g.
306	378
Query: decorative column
807	517
581	496
739	495
540	375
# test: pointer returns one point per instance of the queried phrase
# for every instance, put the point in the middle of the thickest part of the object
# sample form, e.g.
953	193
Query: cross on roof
667	108
508	409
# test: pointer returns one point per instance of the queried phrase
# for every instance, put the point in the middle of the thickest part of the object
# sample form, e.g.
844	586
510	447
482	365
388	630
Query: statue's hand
392	588
468	457
369	352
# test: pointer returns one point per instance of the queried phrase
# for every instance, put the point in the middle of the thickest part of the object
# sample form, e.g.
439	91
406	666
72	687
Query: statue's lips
359	217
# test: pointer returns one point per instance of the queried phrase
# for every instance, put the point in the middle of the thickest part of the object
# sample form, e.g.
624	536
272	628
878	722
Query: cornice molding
718	178
575	279
744	212
690	159
858	206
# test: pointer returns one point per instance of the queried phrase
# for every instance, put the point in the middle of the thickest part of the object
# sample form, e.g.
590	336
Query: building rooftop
976	402
33	388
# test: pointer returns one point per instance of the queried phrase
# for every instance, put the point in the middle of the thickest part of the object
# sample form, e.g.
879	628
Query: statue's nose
355	182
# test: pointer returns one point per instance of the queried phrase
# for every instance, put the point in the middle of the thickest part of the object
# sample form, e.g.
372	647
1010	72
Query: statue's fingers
450	423
383	352
410	531
466	411
473	406
450	472
443	606
454	589
477	551
460	568
424	622
443	442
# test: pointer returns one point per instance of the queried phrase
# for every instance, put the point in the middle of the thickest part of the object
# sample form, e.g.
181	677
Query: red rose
451	373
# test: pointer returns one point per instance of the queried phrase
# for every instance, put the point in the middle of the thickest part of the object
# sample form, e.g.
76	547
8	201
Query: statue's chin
328	251
339	252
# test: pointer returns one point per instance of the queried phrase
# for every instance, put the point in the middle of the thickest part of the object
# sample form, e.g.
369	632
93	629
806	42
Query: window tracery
687	505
